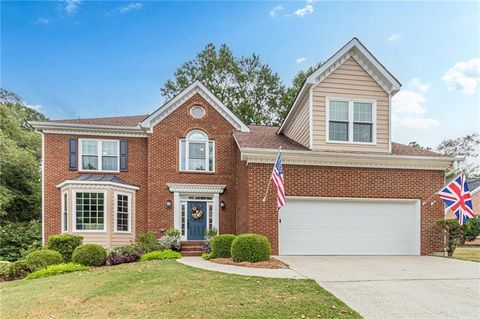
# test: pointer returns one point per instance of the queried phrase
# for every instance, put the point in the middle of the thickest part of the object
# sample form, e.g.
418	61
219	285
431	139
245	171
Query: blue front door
197	220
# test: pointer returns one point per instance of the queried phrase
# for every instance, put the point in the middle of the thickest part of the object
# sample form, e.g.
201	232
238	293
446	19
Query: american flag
278	181
457	198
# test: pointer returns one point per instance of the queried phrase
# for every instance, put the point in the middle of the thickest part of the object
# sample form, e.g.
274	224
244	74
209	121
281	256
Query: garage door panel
349	227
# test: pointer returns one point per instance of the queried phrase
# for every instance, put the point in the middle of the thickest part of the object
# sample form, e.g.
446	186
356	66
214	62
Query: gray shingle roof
102	178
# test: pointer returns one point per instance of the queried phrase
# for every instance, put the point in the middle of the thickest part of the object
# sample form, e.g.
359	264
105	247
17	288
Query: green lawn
467	253
166	289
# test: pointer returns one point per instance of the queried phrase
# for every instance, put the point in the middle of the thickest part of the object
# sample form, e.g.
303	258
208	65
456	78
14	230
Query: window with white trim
197	153
89	211
351	121
65	212
122	214
99	155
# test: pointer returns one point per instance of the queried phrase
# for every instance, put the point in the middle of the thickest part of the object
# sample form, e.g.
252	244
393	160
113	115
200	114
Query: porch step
192	247
192	243
191	253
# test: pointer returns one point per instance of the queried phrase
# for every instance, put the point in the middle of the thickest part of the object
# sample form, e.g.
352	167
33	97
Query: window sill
197	172
90	231
96	171
350	143
122	232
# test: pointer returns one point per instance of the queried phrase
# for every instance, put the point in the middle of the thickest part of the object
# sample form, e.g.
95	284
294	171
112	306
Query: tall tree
466	147
20	149
248	87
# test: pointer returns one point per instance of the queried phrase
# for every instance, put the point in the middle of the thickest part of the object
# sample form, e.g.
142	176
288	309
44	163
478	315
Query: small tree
457	234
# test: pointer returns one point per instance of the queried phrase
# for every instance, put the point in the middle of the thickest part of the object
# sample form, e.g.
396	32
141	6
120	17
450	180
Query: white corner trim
196	188
194	88
310	120
341	159
95	184
390	123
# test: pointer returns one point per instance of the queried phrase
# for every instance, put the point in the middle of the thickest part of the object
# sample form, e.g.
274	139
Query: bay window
350	121
197	153
122	212
99	155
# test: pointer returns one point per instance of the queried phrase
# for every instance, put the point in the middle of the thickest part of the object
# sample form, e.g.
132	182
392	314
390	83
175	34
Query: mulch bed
270	264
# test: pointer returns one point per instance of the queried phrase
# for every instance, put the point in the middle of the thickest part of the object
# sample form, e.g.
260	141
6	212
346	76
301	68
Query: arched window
197	153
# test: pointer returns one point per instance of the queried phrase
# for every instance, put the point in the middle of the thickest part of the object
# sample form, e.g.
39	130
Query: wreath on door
197	213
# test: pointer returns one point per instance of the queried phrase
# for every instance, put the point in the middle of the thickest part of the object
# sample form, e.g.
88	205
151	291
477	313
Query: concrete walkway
198	262
397	286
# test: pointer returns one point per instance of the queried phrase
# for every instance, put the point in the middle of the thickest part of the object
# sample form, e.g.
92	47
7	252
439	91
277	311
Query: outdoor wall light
222	204
168	204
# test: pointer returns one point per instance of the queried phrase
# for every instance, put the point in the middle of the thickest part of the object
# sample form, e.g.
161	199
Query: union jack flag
278	181
457	198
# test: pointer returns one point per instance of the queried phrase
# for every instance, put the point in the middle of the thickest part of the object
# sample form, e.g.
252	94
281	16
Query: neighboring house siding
163	163
56	171
350	80
298	127
345	182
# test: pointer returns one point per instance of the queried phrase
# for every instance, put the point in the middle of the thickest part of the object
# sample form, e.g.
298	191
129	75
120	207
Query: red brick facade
154	161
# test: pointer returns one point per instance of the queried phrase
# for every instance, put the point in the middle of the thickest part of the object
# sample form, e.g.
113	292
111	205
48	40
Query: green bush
89	255
221	245
173	232
18	237
65	244
56	270
43	258
472	228
208	256
146	241
159	255
4	267
18	270
251	247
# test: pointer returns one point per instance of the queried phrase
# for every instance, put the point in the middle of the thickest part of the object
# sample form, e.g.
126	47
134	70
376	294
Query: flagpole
270	180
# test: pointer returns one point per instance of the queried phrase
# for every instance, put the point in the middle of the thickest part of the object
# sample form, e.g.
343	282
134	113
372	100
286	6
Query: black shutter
123	156
73	154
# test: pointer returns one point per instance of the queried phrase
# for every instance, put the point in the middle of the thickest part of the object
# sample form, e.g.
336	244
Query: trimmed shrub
56	270
3	268
65	244
207	256
146	241
89	255
251	247
160	255
221	245
18	270
125	254
43	258
472	228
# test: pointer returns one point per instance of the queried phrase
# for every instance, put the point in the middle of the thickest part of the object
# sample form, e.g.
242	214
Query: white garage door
313	226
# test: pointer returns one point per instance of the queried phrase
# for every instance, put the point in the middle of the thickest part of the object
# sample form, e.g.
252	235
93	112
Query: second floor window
197	152
350	121
99	155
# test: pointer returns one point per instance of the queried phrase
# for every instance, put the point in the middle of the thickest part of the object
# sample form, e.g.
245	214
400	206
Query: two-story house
193	165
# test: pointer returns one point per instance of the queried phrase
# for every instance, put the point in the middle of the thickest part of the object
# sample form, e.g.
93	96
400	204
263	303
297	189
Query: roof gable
196	87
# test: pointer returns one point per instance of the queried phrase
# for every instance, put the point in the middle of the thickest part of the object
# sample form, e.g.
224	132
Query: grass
167	289
467	253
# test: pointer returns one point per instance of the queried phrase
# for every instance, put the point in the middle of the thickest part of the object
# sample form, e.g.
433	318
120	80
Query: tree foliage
20	149
248	87
466	147
457	234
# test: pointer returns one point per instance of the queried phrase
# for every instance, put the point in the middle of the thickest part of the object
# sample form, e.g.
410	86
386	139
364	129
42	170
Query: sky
75	58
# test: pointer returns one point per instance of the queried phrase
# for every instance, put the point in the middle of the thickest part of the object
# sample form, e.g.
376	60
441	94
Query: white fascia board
88	129
96	183
175	102
318	158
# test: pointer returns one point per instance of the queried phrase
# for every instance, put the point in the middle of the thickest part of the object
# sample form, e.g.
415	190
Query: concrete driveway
397	286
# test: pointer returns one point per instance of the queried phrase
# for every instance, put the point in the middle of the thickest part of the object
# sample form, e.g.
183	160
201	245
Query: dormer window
197	153
350	121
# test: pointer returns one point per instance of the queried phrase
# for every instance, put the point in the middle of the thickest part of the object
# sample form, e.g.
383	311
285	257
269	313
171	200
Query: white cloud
394	37
308	9
36	107
415	122
42	20
416	83
276	10
301	60
408	109
464	76
72	5
131	6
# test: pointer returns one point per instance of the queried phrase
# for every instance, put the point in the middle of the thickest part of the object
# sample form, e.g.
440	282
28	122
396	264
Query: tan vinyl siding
110	238
298	127
350	81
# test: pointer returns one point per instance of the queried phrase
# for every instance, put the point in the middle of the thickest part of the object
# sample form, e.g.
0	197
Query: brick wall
345	182
163	150
56	171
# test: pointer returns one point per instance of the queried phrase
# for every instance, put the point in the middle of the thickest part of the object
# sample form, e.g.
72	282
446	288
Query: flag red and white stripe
279	181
